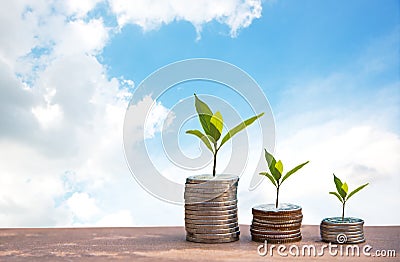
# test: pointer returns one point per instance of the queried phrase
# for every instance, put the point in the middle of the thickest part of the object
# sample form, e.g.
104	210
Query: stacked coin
276	225
342	231
211	209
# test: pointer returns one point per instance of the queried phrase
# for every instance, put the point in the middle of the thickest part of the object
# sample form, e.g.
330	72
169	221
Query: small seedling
342	190
212	125
276	171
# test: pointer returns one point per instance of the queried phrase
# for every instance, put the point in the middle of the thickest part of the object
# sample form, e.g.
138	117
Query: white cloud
30	183
121	218
62	115
82	206
80	37
77	8
148	118
63	126
149	15
155	119
48	116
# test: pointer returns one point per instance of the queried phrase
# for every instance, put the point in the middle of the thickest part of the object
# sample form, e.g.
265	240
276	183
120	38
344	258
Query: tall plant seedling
342	190
212	124
276	173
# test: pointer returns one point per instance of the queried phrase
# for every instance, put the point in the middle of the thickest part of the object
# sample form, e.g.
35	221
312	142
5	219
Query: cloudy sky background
329	69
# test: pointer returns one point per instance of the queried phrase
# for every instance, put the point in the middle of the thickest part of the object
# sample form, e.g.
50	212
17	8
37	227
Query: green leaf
239	128
356	190
217	121
338	196
269	158
271	165
345	187
339	185
216	126
202	137
270	177
204	113
294	170
279	166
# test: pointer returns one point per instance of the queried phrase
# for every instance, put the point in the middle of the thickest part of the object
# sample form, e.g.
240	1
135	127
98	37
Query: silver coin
280	218
341	226
210	197
348	241
330	231
209	189
274	232
222	178
211	193
212	241
212	230
217	217
213	236
342	234
193	200
275	236
278	215
212	186
355	239
211	226
279	226
276	241
347	235
341	230
343	222
213	204
210	221
277	218
276	222
334	234
210	212
212	183
210	208
282	208
214	193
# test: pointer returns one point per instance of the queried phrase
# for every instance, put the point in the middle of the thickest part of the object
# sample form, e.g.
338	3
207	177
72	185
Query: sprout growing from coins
212	125
342	190
276	173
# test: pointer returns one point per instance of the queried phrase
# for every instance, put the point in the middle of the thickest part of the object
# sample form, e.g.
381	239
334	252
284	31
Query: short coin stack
276	225
342	231
211	209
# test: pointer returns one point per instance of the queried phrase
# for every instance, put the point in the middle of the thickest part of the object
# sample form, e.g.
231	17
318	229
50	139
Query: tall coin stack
342	231
211	209
276	225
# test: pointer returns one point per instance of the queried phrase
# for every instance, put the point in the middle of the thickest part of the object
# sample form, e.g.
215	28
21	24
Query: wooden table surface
169	244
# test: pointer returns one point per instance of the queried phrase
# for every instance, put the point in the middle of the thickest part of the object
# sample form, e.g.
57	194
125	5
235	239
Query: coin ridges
276	225
276	241
211	209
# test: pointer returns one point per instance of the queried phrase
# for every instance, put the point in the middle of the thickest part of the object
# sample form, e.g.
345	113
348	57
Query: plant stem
344	203
215	159
277	196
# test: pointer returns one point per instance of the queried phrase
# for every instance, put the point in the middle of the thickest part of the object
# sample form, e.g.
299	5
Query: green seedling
342	190
276	173
212	125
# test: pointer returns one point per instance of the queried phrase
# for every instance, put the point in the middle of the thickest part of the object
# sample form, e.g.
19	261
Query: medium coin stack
276	225
211	209
342	231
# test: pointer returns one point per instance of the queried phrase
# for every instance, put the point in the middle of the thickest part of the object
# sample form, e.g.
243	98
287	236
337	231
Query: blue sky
330	71
292	39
